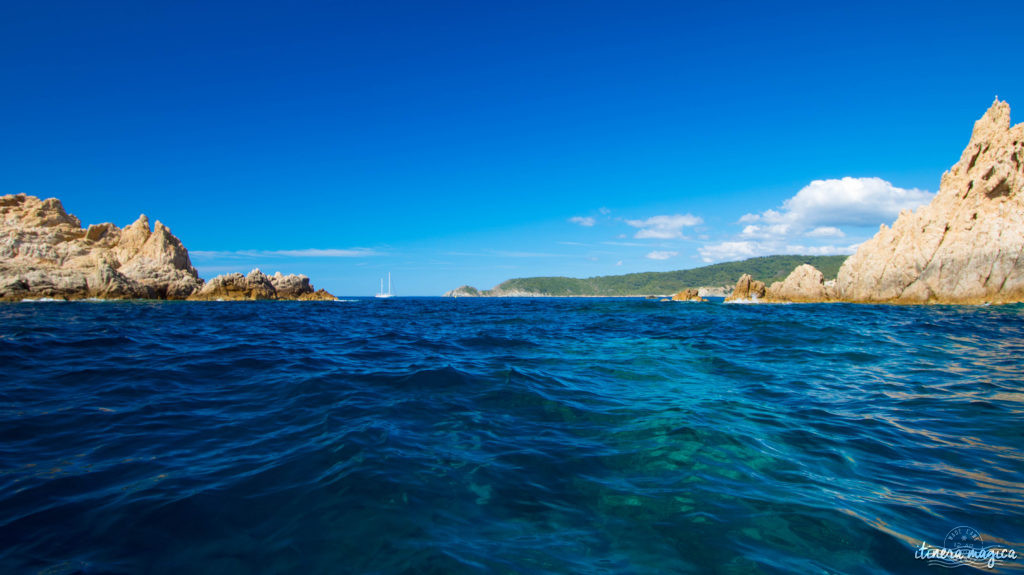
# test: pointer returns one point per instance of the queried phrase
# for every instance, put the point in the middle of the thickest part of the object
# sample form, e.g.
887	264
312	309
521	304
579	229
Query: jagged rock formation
747	289
463	291
688	294
804	284
44	252
966	245
257	286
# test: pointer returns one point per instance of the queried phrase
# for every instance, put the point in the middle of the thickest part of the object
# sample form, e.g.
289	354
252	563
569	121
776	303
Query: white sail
382	293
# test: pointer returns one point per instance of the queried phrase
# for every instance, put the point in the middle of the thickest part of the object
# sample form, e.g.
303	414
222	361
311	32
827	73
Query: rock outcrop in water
463	291
804	284
747	289
45	253
257	286
966	246
689	294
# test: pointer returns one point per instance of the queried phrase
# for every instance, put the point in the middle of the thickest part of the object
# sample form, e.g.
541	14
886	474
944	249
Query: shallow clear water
506	436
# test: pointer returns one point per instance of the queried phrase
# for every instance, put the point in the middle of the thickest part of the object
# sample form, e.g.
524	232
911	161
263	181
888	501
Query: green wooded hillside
767	269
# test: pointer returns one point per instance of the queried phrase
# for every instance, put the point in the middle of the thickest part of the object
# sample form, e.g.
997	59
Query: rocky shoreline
46	254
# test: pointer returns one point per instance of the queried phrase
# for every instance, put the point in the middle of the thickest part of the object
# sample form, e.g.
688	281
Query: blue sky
471	142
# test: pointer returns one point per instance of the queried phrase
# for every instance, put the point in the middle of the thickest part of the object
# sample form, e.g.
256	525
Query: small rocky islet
45	253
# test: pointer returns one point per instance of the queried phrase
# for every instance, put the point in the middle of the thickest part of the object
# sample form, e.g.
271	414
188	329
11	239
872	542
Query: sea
546	435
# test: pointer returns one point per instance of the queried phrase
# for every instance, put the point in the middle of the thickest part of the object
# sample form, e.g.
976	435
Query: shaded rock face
966	246
44	252
257	286
688	294
803	284
747	289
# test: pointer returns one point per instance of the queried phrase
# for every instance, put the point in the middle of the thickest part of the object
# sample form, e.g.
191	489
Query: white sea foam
40	300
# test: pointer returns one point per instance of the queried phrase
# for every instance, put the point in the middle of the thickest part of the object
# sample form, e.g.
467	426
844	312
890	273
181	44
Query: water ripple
526	436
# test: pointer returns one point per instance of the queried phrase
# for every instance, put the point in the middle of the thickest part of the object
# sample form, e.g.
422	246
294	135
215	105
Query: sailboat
382	293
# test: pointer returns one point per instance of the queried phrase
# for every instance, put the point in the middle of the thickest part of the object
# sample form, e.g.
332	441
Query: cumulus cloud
664	227
661	255
819	211
846	201
585	221
725	251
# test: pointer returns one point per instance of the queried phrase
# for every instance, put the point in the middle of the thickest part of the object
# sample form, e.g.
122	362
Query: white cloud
304	253
664	227
725	251
826	232
585	221
660	255
818	211
847	201
604	211
773	230
618	263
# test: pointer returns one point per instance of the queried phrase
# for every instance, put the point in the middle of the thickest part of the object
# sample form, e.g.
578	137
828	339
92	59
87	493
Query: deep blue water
505	436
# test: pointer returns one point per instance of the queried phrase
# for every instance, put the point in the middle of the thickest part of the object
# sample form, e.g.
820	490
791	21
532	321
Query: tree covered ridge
767	269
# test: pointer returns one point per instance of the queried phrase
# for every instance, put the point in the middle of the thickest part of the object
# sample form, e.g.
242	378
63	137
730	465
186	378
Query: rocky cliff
966	245
45	253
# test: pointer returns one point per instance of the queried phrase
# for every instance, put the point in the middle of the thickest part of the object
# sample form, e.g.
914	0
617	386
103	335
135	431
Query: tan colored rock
257	286
290	286
688	294
319	295
803	284
966	246
44	252
747	289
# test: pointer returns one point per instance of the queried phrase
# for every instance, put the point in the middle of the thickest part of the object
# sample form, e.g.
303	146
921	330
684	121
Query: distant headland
45	253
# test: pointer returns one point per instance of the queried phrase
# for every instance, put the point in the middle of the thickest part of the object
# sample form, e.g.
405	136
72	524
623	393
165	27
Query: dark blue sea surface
505	436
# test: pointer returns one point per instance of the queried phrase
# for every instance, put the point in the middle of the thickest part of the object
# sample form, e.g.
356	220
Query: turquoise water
505	436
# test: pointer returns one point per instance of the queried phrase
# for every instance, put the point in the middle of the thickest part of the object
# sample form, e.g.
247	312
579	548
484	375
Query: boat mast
389	283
